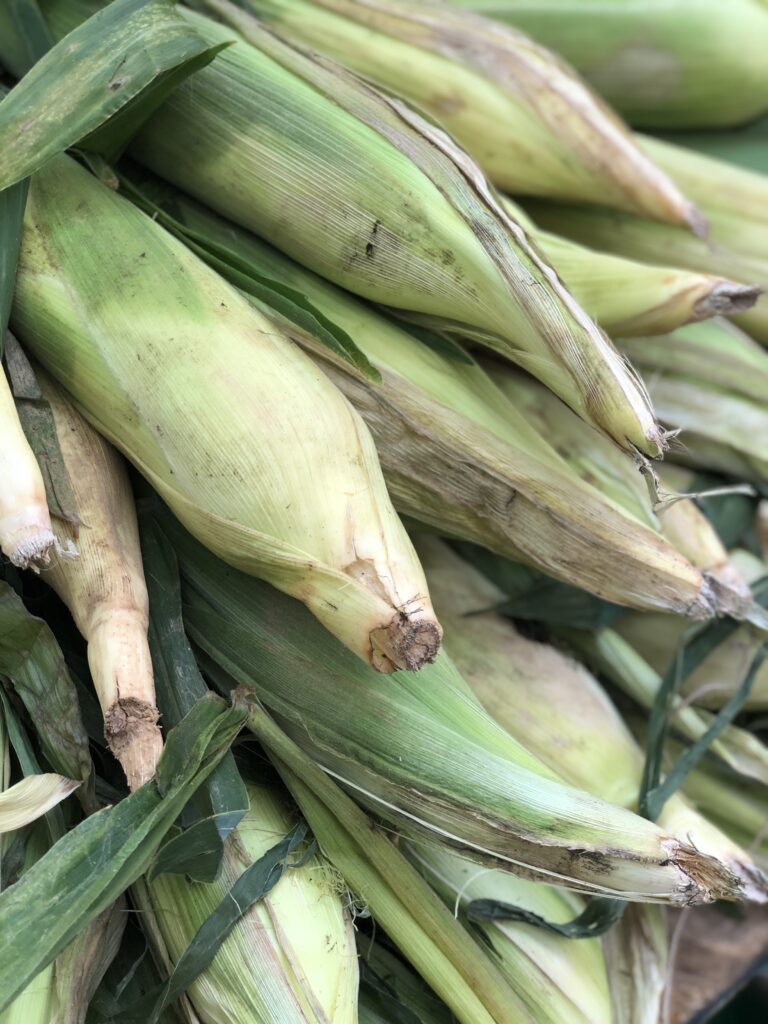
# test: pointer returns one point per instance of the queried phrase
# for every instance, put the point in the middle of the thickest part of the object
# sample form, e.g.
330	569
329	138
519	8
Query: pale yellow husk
250	444
290	958
529	120
104	587
26	536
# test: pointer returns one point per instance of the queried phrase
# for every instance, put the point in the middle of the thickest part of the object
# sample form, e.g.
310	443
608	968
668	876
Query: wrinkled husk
555	706
367	193
636	958
457	454
662	63
526	117
104	587
207	399
291	958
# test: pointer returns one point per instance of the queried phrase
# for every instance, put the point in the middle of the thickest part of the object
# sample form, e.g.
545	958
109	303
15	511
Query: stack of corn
292	284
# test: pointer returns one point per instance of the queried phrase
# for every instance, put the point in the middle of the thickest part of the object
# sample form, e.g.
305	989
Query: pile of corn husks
383	508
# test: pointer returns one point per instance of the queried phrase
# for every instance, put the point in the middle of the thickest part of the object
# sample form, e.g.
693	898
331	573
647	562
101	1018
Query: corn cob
644	240
564	715
290	959
685	63
450	443
26	536
716	353
560	981
526	117
104	588
473	785
248	442
391	209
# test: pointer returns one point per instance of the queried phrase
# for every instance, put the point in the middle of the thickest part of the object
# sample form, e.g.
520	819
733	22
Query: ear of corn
644	240
104	588
716	353
450	442
524	115
560	710
662	63
26	536
218	438
290	958
391	209
559	980
474	786
614	657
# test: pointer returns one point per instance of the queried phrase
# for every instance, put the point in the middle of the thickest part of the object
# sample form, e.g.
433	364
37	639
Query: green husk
365	192
291	958
206	398
456	453
384	883
555	706
661	63
607	652
721	253
715	353
473	786
519	110
559	980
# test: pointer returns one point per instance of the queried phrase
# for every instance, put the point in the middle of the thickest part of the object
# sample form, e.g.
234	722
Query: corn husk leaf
32	797
682	64
32	660
636	958
74	88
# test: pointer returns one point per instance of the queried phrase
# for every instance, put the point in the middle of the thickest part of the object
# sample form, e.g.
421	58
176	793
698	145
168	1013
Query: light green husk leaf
207	398
290	958
526	117
661	63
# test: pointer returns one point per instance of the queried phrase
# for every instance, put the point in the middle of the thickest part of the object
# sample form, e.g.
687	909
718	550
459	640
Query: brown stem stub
709	879
134	737
727	299
406	643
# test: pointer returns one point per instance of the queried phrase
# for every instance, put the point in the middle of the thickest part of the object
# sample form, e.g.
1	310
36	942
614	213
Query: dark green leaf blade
24	36
220	803
12	203
86	870
90	75
32	660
